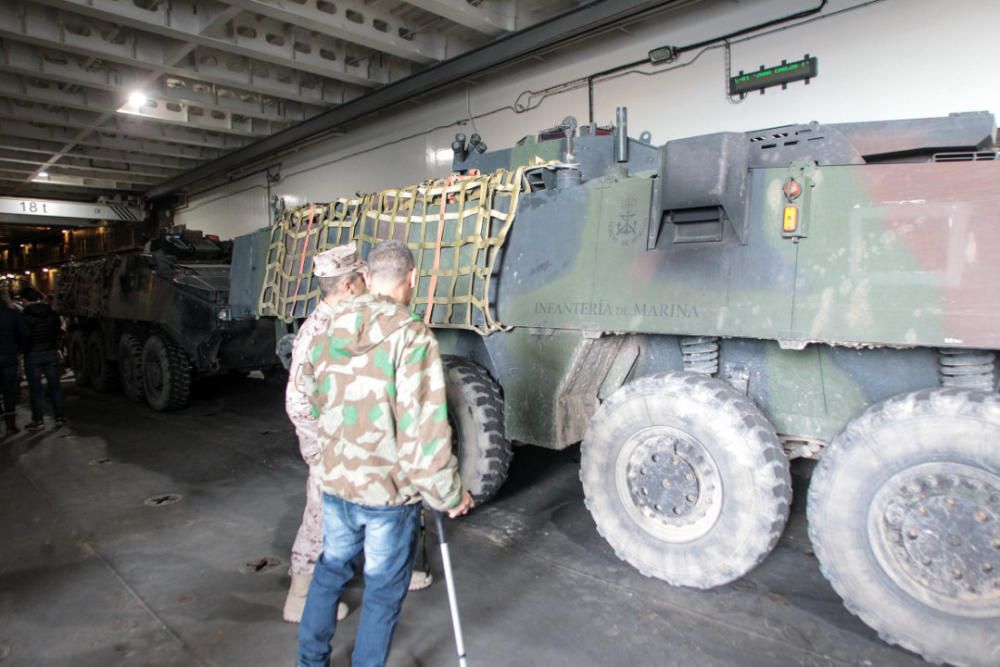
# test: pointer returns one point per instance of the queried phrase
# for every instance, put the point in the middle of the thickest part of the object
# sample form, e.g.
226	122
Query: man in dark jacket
41	357
13	336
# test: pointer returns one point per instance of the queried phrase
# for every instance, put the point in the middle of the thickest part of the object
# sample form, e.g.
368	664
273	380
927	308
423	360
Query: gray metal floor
90	575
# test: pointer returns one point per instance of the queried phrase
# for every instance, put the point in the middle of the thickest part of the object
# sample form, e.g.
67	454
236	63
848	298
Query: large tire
475	411
130	367
686	479
100	370
166	374
904	516
78	358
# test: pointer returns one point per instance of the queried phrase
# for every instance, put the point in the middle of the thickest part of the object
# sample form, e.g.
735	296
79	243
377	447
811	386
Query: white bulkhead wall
882	60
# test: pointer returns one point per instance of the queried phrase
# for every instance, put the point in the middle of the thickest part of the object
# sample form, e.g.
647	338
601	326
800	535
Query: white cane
449	580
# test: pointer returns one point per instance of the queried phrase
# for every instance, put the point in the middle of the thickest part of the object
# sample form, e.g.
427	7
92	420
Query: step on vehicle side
698	313
151	323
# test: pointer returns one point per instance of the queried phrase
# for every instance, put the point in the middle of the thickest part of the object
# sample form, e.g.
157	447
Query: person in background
13	336
338	272
376	385
41	357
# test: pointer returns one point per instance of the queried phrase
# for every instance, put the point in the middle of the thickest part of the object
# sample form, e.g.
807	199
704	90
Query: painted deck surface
92	576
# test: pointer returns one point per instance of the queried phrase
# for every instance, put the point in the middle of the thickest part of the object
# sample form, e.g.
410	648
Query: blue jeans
388	537
37	364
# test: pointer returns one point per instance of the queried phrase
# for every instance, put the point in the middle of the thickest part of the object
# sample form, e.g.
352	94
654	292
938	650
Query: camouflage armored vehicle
153	322
701	312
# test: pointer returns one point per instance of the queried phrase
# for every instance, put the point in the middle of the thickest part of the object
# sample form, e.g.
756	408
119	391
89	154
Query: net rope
454	227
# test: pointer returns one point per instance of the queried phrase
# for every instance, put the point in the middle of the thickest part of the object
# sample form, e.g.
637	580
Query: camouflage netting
455	261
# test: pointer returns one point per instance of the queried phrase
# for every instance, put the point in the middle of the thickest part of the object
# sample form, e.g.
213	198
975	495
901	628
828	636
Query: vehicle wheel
475	412
166	374
904	516
130	367
100	369
685	479
78	358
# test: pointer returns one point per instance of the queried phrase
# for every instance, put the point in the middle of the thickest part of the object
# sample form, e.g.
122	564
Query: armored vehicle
697	314
152	322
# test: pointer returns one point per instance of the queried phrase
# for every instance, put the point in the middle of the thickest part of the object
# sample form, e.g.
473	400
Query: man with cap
376	384
338	272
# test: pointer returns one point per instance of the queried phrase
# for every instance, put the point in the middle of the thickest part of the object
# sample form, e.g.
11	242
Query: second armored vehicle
153	322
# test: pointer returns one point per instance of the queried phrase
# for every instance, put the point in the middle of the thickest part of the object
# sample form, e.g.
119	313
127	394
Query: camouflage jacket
376	386
297	404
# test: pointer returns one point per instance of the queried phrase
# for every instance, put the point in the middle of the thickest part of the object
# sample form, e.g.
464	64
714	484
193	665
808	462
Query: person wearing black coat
13	337
41	357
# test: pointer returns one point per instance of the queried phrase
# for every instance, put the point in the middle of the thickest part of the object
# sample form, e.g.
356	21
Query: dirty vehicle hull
661	313
152	323
699	313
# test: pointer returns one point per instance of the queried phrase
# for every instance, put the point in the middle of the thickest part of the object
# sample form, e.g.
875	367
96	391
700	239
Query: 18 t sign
30	206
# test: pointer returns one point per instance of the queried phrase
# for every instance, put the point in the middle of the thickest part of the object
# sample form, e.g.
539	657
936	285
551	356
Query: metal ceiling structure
117	96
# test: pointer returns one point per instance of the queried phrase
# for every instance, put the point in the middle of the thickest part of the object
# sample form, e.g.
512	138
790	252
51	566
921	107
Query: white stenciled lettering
603	309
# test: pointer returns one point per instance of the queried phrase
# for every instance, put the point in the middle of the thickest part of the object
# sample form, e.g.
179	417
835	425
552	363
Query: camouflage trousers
309	540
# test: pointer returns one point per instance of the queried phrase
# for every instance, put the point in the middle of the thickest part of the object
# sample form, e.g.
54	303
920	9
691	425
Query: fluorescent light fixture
137	98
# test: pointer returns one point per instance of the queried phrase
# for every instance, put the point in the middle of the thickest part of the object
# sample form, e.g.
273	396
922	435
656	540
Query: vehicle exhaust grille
967	156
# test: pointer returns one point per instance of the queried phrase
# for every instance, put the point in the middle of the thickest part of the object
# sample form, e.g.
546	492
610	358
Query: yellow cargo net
454	227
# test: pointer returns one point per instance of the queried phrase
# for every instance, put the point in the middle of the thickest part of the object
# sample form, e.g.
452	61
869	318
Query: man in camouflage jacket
338	272
377	389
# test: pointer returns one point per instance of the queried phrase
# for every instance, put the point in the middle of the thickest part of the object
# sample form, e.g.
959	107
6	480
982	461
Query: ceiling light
43	174
137	98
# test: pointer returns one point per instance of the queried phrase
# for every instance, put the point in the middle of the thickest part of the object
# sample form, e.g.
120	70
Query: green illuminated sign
778	75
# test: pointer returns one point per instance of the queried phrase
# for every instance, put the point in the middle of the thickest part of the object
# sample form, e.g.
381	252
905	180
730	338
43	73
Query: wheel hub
938	530
669	482
661	479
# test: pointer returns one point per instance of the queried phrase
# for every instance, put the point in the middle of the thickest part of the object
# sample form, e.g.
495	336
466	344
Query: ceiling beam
490	17
225	69
102	182
102	142
355	21
76	162
119	125
46	190
182	22
587	19
10	173
106	182
67	68
45	92
29	145
28	166
44	27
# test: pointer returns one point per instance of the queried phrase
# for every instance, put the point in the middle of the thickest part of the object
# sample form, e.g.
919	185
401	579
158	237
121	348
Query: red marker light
792	188
790	224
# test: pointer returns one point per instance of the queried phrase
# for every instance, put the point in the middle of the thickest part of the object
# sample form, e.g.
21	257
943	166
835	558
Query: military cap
337	261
